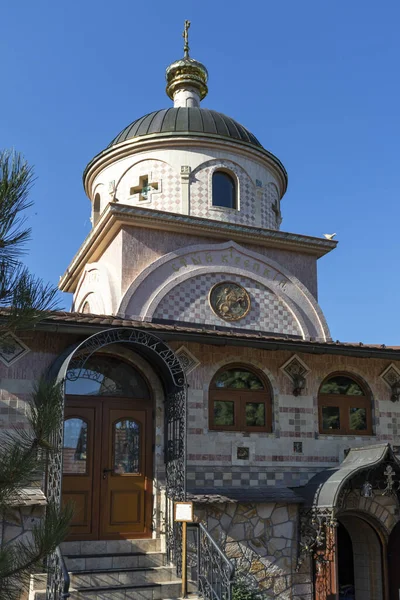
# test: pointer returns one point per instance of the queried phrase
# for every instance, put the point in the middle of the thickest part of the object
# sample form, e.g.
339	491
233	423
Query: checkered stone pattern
188	302
168	195
204	477
268	215
390	422
296	422
201	195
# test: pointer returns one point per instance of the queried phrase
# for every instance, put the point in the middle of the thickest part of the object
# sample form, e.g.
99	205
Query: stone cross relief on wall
144	188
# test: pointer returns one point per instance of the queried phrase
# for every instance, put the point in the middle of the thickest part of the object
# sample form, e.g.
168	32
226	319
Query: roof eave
116	215
219	338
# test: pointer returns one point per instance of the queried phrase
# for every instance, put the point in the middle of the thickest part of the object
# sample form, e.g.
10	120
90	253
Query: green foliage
16	178
239	379
23	297
19	560
24	453
343	385
223	412
23	457
242	591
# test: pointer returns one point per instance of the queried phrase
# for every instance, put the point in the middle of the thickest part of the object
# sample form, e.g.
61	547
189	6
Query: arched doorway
394	563
359	496
164	365
360	564
108	450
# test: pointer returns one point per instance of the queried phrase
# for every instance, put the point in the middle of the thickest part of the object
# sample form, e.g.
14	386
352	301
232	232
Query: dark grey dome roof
186	120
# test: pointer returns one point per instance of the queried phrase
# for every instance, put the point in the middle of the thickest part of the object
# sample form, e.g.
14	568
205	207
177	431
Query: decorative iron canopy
369	463
369	471
157	352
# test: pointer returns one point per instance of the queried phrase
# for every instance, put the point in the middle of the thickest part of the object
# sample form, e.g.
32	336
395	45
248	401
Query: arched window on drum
96	209
224	190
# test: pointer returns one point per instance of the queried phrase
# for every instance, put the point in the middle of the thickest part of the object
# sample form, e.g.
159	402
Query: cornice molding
176	140
116	215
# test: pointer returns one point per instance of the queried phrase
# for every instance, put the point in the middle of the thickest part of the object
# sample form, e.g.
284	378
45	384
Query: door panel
126	485
81	466
107	467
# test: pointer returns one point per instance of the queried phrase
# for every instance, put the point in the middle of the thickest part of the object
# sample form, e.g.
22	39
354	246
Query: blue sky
316	81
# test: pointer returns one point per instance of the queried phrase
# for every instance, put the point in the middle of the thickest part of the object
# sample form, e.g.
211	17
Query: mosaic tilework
268	215
188	302
390	421
11	348
188	361
168	196
228	476
296	422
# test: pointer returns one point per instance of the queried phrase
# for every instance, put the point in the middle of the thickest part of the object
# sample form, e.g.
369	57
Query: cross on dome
186	78
185	36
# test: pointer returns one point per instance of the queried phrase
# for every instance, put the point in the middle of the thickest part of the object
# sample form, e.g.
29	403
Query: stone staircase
116	570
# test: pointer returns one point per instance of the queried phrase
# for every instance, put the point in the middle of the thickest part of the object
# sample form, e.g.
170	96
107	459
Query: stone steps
112	546
116	570
145	591
114	577
133	560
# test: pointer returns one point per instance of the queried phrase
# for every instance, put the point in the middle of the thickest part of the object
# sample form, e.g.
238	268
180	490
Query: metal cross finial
185	36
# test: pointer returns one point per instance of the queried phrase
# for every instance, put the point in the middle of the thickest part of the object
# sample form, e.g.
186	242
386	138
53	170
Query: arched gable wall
156	281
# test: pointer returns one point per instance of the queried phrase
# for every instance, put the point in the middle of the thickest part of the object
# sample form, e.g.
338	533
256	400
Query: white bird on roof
329	236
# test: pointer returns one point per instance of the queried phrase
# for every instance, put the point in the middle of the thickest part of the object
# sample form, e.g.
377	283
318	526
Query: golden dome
186	72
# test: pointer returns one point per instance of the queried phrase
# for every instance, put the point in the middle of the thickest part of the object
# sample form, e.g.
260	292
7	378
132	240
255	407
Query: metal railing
58	580
208	566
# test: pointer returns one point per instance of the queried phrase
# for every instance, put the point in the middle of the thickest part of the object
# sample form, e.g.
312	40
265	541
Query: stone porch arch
365	486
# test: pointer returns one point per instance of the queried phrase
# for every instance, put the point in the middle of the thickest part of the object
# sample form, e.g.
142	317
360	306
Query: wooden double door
107	467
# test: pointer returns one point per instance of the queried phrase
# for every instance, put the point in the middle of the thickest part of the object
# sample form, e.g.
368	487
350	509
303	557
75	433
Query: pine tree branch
18	561
25	297
24	452
16	179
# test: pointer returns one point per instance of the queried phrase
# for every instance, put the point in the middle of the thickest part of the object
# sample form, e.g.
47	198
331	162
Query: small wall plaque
183	512
243	452
298	447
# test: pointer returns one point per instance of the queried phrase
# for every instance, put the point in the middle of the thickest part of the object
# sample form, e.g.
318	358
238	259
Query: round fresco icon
229	301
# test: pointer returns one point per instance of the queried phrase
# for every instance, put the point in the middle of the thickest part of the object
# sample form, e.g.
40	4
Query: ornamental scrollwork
316	541
130	336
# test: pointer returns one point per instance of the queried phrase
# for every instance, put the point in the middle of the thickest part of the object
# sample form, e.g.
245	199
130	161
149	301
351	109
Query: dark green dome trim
186	120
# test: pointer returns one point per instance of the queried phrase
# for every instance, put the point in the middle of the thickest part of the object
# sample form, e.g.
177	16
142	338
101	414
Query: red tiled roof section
112	321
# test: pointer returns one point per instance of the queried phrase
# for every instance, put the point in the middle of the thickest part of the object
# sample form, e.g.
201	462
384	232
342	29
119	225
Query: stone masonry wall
261	540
